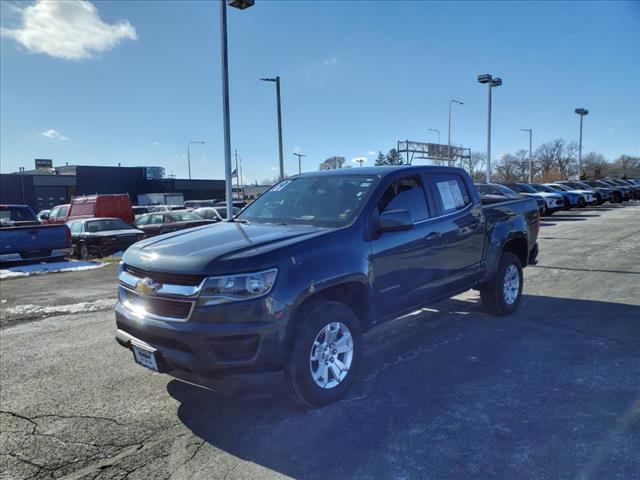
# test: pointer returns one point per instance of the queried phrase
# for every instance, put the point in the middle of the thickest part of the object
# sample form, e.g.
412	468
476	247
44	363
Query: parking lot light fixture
242	5
299	155
189	155
449	134
582	112
530	155
491	83
277	82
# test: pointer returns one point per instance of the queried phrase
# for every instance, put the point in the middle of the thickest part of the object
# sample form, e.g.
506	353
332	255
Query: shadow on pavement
454	393
574	218
586	269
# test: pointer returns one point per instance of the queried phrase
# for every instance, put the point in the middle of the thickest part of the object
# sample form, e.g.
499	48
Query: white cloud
71	30
372	152
547	114
330	61
611	129
51	133
156	144
273	169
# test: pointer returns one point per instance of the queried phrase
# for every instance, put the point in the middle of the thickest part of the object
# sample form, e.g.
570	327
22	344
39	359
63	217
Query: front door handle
433	236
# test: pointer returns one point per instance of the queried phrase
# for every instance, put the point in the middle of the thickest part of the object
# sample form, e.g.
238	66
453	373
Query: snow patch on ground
43	268
82	307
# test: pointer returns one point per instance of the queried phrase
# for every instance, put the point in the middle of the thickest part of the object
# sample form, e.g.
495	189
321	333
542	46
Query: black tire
83	252
301	385
492	295
582	203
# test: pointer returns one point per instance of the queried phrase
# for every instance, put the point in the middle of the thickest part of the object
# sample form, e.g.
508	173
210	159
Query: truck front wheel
502	295
326	354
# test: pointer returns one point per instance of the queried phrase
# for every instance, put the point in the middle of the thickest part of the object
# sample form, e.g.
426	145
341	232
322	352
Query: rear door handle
433	236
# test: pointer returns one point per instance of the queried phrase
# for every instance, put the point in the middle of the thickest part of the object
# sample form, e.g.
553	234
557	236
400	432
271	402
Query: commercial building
48	186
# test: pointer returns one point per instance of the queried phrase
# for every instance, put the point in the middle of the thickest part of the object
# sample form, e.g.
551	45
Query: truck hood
213	248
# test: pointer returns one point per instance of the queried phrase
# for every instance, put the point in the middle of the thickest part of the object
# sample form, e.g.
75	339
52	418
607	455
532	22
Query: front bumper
231	348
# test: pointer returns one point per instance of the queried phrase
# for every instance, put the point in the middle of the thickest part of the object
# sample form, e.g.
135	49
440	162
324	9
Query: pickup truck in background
23	237
285	289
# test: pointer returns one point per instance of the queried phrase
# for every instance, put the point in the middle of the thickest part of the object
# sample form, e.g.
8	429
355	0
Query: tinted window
451	192
405	194
182	217
106	225
322	200
155	219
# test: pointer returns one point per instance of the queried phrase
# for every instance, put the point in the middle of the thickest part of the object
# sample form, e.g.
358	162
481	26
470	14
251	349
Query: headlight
234	288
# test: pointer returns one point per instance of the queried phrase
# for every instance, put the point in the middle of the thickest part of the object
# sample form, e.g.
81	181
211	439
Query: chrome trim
131	308
166	290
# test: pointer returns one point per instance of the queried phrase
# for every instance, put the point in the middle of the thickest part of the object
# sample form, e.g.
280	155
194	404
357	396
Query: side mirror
395	221
44	216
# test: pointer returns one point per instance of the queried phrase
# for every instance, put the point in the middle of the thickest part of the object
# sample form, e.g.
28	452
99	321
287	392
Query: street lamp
449	135
277	82
435	130
299	155
491	83
242	5
530	156
582	112
189	155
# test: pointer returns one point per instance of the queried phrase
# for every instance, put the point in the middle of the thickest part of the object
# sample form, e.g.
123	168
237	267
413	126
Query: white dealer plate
145	357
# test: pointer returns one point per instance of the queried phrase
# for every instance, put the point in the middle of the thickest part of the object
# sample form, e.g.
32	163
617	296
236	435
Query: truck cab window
405	194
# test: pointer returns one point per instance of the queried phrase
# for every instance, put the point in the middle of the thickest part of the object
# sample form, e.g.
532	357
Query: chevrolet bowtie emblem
146	286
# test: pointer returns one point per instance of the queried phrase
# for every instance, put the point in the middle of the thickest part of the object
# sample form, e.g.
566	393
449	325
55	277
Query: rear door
463	228
407	265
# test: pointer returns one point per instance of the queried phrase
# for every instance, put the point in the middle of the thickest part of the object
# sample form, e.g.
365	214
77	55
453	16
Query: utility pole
188	156
582	112
491	83
449	135
277	82
299	155
237	173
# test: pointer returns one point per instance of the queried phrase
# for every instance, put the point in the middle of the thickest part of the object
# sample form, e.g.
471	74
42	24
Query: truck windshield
322	201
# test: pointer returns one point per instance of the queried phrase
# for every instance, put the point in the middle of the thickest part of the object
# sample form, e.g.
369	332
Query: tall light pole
582	112
530	156
299	155
491	82
240	4
435	130
189	155
277	82
449	135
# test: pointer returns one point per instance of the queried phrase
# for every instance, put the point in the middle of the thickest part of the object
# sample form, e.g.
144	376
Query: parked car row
565	194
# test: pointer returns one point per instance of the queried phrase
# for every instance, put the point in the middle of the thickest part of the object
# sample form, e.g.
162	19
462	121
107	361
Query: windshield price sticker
450	194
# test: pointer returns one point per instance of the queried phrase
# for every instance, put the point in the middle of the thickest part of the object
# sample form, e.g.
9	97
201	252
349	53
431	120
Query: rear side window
405	194
451	192
76	227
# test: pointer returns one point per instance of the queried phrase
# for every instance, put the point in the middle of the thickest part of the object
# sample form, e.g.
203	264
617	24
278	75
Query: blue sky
356	78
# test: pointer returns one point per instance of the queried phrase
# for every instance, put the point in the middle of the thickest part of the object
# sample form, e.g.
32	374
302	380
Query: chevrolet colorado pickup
285	289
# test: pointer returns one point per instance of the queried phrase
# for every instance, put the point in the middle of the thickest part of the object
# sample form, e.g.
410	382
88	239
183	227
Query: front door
407	265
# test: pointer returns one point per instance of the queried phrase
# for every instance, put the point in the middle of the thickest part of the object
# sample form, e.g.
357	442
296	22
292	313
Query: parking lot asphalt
550	392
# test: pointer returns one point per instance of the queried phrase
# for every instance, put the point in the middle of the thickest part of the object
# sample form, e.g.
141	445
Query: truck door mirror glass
395	221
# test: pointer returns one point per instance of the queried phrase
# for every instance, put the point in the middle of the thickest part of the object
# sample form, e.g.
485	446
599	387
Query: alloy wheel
331	355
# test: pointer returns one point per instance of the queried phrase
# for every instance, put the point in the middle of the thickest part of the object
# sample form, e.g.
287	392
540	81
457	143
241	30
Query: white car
588	195
553	201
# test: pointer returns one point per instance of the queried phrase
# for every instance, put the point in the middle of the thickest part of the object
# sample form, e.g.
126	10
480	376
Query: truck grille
168	278
162	307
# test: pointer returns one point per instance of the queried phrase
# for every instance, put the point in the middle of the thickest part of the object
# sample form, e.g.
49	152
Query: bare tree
546	160
476	167
566	160
594	165
332	163
507	170
629	165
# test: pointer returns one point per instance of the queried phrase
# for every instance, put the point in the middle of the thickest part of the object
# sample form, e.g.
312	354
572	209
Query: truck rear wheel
326	354
502	295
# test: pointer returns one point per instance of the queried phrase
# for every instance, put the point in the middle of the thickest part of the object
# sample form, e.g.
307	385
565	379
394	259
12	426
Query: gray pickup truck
285	289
